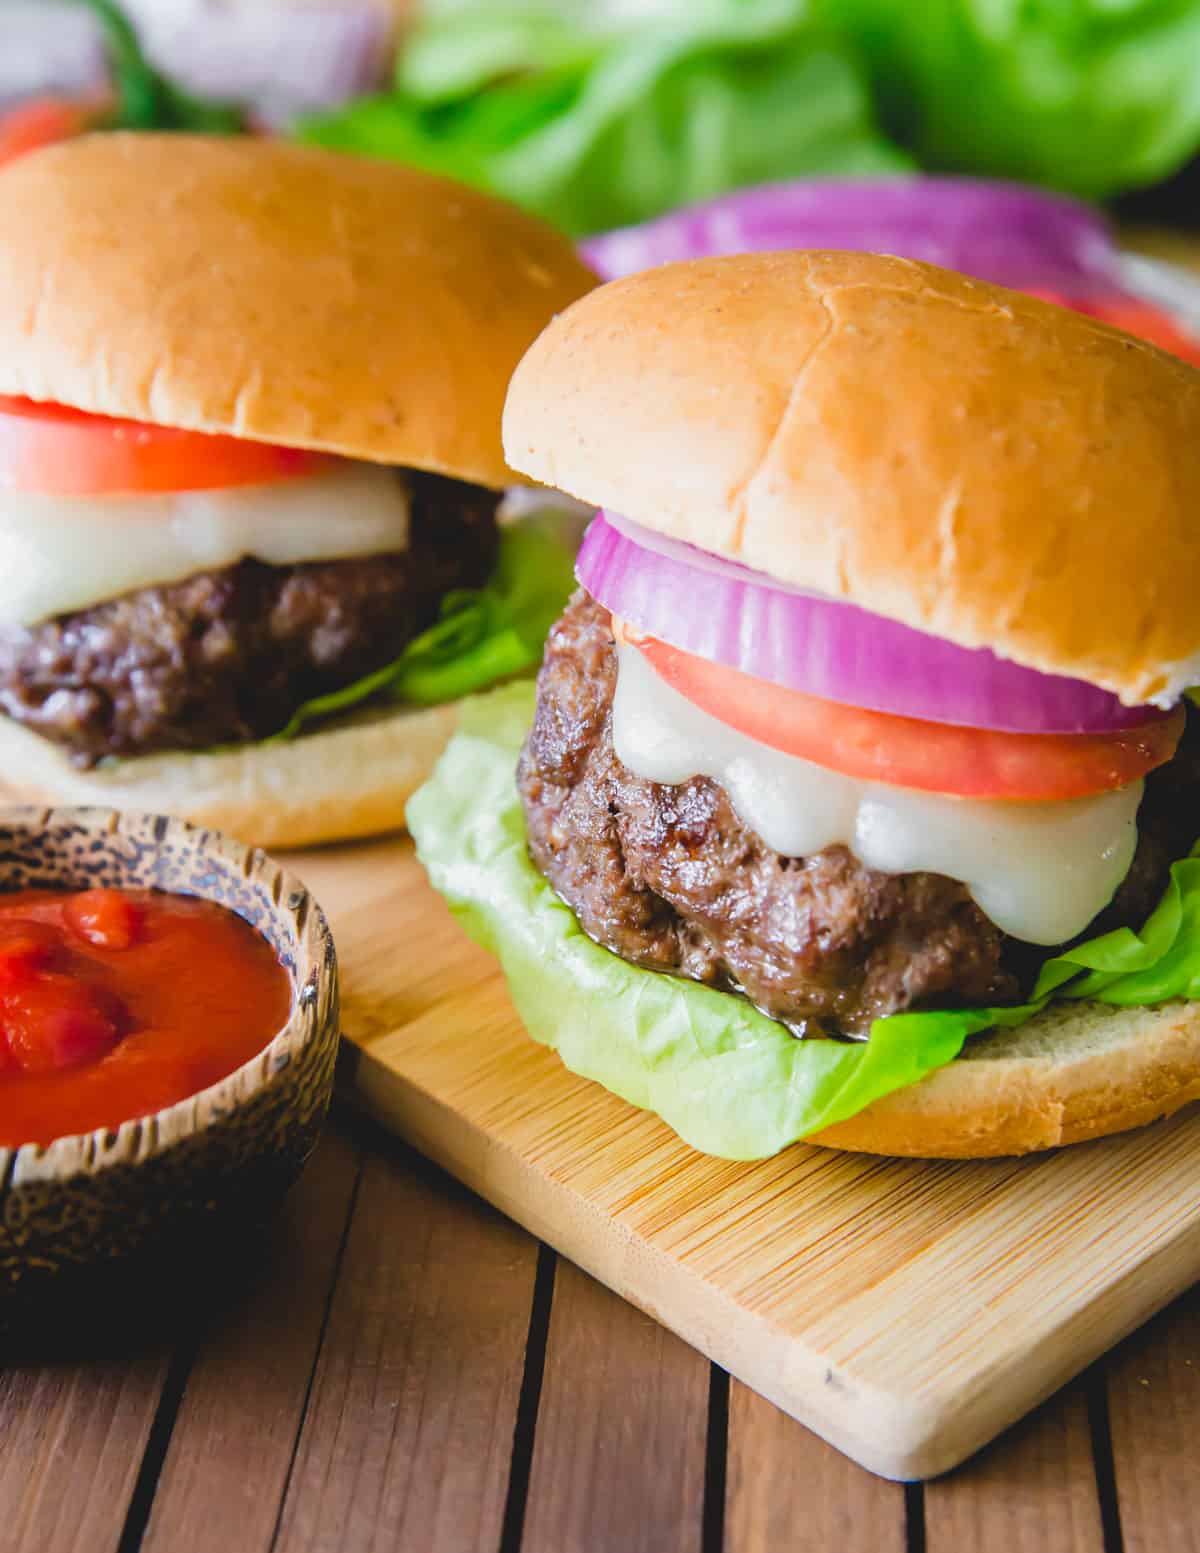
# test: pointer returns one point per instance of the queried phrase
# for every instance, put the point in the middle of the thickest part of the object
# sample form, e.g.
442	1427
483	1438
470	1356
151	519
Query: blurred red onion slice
719	610
1002	232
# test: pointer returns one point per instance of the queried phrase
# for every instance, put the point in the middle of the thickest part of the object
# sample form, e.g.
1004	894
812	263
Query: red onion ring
1002	232
729	614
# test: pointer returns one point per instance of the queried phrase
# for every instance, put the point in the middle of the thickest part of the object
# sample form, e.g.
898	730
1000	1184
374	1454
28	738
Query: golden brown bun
964	459
352	778
1077	1071
276	291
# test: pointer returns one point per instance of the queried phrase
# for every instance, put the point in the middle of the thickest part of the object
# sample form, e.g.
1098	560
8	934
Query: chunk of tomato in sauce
51	1022
106	919
25	948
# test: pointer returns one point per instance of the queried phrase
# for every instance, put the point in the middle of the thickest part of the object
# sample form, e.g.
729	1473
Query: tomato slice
43	120
905	752
1140	318
61	451
1148	323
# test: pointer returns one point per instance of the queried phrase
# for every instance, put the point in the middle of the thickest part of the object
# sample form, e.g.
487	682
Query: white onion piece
49	47
280	60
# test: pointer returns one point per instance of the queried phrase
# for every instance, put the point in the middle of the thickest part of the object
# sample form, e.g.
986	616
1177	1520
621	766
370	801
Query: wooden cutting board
905	1310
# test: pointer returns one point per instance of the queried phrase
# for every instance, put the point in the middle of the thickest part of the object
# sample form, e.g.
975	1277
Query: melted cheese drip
65	553
1040	871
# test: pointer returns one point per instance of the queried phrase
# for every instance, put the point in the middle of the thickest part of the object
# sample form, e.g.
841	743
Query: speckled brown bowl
100	1198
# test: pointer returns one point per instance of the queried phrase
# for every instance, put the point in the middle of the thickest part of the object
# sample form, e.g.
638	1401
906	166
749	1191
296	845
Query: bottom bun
1077	1071
352	778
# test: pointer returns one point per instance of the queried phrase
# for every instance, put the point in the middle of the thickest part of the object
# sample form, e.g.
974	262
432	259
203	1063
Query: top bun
274	291
964	459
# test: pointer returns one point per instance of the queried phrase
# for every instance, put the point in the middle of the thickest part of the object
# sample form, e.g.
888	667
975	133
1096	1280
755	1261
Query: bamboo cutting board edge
906	1439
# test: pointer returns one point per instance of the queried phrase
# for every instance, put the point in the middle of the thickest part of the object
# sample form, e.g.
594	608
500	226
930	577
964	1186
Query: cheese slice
59	554
1041	871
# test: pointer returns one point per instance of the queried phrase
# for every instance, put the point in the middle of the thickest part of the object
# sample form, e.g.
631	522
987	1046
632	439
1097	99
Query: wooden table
400	1368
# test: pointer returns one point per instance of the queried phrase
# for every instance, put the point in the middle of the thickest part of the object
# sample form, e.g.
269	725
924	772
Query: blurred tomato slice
61	451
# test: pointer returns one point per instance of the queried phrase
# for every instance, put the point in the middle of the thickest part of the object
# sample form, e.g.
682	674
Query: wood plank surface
1154	1405
1033	1491
787	1489
907	1311
409	1430
234	1437
619	1458
72	1437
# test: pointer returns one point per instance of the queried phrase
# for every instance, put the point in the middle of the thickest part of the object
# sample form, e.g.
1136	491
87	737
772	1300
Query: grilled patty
227	656
671	879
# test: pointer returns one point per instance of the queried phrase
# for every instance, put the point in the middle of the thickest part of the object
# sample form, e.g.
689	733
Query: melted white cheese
1040	871
65	553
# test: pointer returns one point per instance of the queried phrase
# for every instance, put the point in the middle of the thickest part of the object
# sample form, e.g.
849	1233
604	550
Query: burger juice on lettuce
859	794
250	466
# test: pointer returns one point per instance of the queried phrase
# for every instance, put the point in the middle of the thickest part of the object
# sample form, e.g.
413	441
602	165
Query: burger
860	792
250	464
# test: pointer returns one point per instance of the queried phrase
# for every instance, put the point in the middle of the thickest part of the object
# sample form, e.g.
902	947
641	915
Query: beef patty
227	656
671	879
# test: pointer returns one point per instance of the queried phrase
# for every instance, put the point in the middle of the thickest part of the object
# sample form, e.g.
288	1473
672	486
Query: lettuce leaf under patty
483	635
729	1080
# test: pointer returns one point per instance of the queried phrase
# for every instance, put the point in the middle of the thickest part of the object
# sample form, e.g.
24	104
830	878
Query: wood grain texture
1154	1408
787	1488
1034	1491
227	1466
408	1435
72	1442
907	1311
623	1402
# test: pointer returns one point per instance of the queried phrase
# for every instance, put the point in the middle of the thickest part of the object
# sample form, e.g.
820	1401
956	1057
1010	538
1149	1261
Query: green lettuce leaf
1089	96
484	634
597	122
599	118
729	1080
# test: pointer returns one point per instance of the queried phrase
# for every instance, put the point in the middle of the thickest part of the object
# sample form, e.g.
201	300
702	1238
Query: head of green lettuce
597	114
728	1079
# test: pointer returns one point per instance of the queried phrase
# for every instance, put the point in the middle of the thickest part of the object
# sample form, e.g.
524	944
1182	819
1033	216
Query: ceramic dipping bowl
94	1202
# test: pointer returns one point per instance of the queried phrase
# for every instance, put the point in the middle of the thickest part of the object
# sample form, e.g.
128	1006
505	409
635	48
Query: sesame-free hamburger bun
274	291
277	294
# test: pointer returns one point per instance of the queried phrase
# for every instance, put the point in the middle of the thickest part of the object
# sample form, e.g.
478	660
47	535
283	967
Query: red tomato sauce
116	1003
